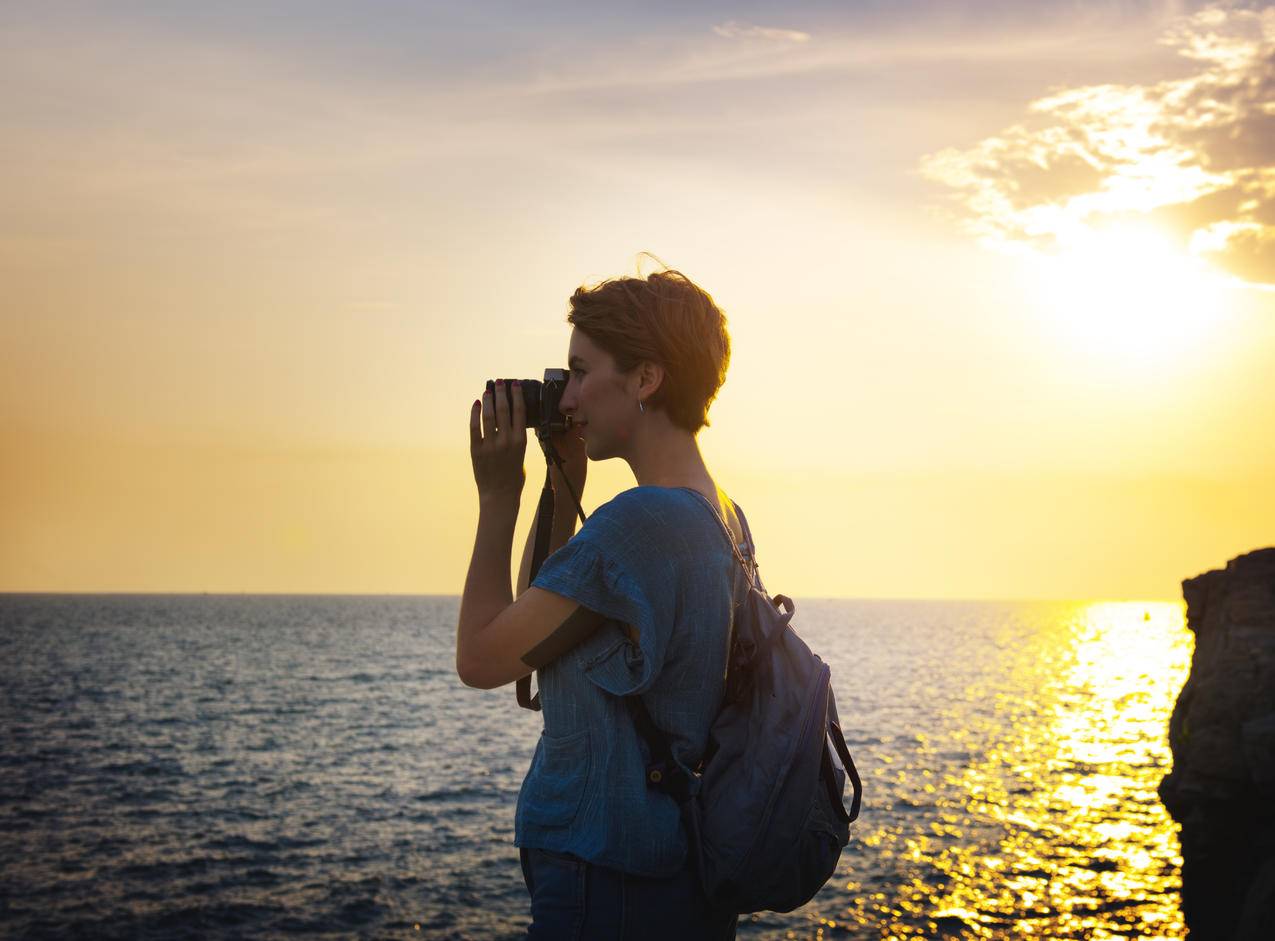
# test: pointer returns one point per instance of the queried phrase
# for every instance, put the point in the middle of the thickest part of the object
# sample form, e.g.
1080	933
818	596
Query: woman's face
601	401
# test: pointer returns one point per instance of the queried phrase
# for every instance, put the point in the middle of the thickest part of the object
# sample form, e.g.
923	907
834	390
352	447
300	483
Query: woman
638	603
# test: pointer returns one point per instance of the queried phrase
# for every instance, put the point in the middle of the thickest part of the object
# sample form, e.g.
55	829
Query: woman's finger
489	414
518	421
475	430
502	405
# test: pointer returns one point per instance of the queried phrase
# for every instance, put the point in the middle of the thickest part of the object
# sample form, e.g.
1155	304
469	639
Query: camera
541	398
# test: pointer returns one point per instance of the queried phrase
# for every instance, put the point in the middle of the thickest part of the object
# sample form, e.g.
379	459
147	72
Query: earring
641	407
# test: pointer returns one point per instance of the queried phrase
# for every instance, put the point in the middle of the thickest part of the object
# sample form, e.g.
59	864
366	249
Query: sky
1000	281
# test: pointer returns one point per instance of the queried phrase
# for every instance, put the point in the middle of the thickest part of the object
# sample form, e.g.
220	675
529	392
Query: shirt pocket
555	785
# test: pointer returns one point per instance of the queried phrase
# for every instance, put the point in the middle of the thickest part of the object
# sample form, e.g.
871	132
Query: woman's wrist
499	504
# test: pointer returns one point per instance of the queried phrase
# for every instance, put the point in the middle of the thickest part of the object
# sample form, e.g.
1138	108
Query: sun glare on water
1131	294
1053	827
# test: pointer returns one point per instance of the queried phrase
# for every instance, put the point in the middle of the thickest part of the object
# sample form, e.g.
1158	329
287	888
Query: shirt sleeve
614	566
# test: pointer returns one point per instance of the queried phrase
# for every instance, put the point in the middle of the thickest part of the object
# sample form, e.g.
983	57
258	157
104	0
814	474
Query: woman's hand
498	447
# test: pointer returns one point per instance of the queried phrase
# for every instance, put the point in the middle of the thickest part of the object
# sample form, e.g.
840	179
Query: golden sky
1000	280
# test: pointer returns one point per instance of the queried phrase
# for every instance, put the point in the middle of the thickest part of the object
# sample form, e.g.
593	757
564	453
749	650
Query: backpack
764	812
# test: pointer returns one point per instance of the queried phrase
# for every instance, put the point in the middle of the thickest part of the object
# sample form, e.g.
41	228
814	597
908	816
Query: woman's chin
594	450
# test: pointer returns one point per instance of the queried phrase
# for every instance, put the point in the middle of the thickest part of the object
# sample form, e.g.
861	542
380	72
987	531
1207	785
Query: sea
203	766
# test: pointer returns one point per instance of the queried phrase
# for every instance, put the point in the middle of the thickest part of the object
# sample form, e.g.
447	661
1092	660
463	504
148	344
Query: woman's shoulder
654	506
649	496
668	515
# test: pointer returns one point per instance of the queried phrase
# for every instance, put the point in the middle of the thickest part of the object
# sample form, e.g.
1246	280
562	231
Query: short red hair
664	318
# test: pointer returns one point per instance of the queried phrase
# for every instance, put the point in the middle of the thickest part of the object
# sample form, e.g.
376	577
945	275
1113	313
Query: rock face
1222	787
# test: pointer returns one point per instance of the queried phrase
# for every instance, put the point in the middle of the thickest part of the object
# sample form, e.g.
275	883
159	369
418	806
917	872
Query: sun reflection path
1054	829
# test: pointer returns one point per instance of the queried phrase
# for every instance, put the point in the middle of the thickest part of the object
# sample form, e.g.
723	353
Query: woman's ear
650	378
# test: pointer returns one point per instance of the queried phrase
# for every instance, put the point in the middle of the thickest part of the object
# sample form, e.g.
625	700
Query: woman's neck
669	456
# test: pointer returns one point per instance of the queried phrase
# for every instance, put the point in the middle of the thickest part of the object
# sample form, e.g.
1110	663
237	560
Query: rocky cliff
1222	787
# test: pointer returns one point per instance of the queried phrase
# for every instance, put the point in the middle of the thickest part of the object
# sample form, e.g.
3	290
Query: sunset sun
1131	293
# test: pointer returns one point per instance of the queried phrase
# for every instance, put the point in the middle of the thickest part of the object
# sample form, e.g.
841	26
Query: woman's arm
495	632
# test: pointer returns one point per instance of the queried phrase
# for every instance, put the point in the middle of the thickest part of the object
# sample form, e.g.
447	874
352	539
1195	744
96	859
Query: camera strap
544	529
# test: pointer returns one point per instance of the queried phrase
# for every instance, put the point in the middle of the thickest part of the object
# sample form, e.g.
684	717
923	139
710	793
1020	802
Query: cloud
1193	156
732	29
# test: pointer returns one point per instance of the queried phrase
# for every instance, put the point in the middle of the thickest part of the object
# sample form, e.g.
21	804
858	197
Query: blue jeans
572	899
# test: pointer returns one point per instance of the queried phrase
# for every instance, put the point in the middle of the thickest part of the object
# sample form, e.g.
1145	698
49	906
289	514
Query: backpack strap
748	532
663	772
750	567
847	764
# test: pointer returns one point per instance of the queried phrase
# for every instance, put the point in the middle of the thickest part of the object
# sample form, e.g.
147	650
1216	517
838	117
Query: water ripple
220	767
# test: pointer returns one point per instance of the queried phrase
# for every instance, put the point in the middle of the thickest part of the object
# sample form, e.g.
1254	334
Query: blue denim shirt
656	558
